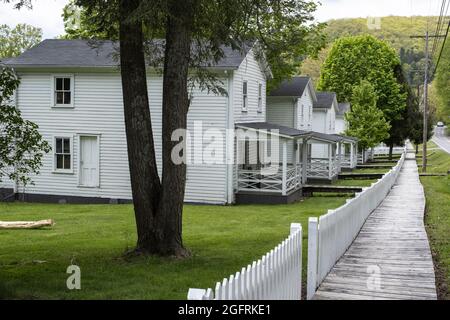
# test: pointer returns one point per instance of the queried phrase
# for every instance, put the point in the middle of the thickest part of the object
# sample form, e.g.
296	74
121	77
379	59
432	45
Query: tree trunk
417	148
175	109
158	205
145	183
391	150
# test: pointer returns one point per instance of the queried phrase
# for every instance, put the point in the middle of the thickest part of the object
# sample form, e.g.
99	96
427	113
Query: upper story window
260	97
63	154
244	96
302	113
63	91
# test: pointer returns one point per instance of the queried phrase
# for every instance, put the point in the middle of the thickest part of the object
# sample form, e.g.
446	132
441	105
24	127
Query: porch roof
346	138
331	138
282	130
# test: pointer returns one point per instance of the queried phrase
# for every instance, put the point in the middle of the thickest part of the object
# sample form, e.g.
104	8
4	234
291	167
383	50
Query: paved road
441	140
392	245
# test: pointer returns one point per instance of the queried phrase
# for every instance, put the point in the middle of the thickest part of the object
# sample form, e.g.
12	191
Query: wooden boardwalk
390	258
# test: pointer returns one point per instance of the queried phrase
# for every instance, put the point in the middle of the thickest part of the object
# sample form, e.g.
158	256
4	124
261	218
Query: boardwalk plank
394	240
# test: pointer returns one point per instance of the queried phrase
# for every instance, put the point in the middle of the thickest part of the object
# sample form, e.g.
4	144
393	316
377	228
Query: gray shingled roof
346	138
291	132
343	108
291	88
326	137
325	100
282	130
82	53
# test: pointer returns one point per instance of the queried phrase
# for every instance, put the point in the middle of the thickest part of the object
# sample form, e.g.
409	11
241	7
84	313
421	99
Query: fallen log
26	224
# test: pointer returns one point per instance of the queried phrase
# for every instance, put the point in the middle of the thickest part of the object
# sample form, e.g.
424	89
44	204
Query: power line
438	26
442	50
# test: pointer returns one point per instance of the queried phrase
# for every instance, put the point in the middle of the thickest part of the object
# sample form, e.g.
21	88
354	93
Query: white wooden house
295	104
73	92
341	124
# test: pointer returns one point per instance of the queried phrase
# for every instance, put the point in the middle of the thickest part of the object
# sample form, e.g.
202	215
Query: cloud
46	14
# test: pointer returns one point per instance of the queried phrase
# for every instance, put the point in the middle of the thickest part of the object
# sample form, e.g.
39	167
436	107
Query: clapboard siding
99	110
281	111
250	71
305	102
341	124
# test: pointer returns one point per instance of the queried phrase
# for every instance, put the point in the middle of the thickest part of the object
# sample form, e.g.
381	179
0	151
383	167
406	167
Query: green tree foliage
354	59
442	85
394	30
21	145
16	40
81	23
366	121
236	23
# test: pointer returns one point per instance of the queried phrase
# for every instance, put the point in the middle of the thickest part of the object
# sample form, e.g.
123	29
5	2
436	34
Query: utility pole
425	90
425	105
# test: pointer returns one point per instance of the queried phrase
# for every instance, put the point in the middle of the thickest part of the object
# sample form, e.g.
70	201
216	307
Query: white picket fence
331	235
276	276
381	151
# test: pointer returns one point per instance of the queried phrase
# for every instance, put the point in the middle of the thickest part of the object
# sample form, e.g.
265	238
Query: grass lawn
437	190
354	183
222	240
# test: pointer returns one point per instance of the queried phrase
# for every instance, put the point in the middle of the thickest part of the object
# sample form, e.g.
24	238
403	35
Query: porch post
237	163
304	161
284	173
340	156
297	161
352	161
330	161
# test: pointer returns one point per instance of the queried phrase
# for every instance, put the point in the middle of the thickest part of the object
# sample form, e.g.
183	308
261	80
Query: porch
269	163
263	176
349	153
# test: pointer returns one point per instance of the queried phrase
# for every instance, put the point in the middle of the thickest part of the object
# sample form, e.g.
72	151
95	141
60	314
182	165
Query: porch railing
323	168
256	180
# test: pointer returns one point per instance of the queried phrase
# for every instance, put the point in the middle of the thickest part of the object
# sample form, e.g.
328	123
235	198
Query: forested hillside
396	31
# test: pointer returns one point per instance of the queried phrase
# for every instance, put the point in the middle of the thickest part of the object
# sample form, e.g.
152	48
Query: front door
89	161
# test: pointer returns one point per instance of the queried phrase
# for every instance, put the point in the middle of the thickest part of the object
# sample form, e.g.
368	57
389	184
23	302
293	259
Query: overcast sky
46	14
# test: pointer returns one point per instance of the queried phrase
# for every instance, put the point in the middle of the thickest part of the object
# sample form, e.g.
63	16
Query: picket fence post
313	242
277	275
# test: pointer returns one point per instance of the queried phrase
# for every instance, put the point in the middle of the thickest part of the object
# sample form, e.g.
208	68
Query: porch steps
374	166
360	176
310	189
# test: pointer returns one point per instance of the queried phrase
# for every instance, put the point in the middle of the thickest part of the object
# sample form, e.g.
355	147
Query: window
244	96
260	98
303	114
63	91
63	154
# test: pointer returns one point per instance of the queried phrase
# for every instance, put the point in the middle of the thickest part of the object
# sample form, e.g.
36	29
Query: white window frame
79	136
302	114
55	169
53	92
260	97
245	96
